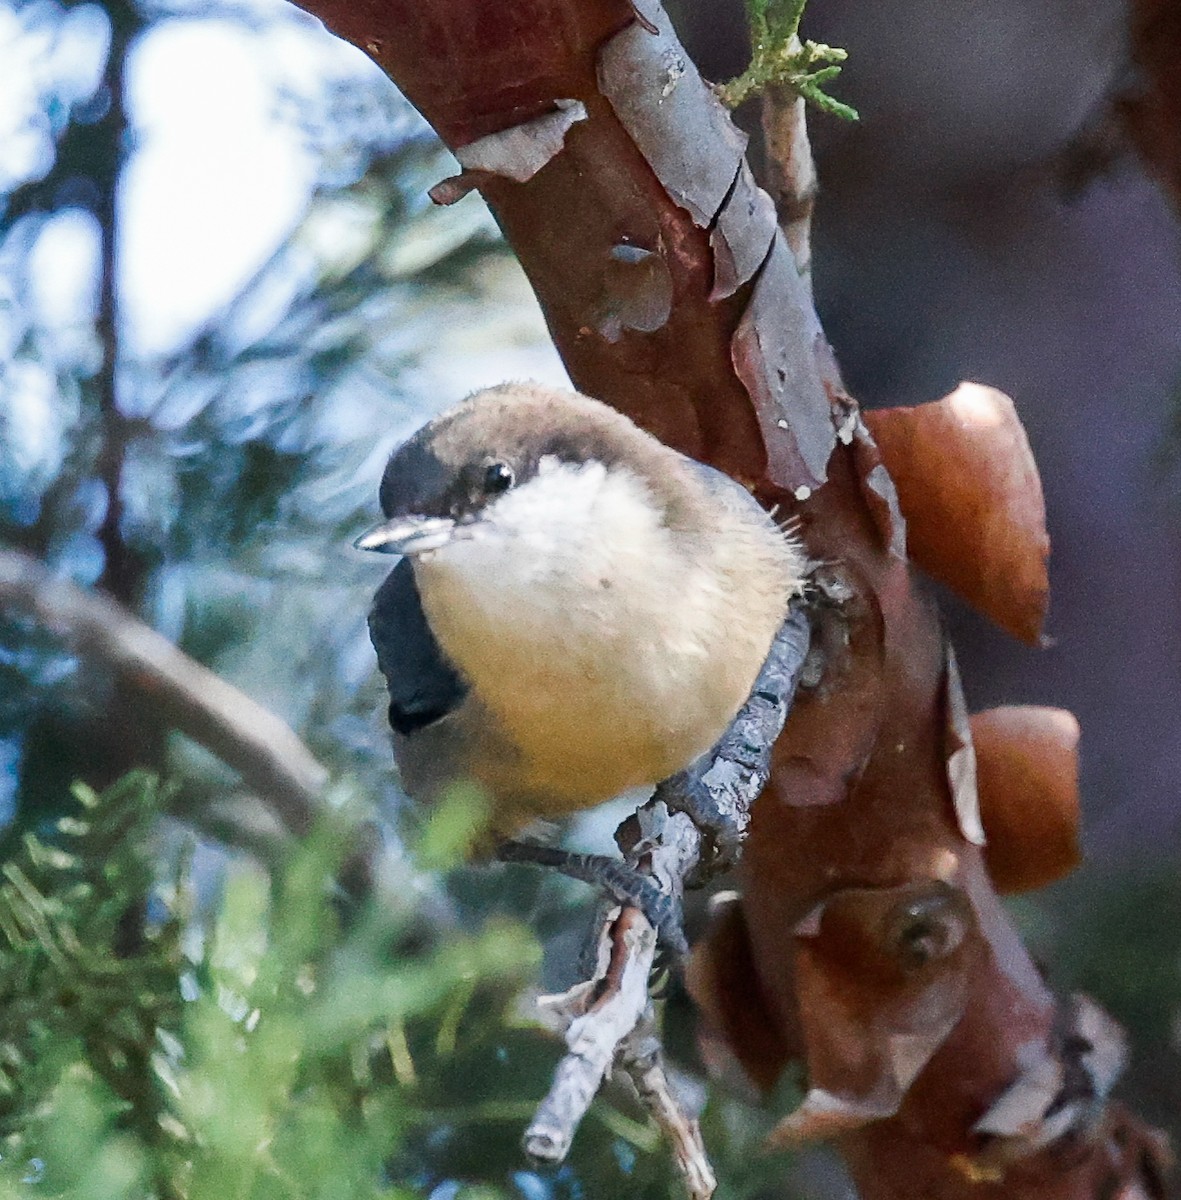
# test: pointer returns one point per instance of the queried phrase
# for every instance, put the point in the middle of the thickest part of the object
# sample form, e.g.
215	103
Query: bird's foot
623	883
717	791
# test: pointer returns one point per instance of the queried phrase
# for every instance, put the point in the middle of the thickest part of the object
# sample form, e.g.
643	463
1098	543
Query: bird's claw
623	883
717	791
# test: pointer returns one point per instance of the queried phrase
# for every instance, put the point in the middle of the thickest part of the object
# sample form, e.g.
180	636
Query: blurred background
224	298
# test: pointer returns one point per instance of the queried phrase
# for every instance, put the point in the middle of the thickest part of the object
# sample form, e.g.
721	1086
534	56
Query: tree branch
173	689
791	172
608	1018
123	569
873	931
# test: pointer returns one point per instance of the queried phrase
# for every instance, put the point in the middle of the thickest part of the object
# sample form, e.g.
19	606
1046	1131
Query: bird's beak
407	535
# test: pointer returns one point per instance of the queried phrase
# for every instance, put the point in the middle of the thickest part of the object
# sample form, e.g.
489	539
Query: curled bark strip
1027	765
520	151
453	189
517	153
883	499
1061	1092
636	65
742	234
972	498
961	757
875	483
785	387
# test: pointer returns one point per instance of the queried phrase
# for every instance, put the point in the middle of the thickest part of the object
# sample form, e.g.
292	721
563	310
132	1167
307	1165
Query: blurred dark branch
123	569
127	742
183	694
1151	106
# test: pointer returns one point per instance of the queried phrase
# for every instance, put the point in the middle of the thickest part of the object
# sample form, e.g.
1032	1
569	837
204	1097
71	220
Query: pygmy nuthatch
580	609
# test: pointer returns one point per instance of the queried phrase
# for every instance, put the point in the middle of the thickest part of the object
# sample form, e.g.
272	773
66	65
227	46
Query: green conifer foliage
253	1046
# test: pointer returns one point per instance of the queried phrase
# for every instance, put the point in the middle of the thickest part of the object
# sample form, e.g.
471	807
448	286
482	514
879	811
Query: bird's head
511	459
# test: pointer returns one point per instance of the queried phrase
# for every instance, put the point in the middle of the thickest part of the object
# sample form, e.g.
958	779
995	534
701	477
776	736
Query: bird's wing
729	491
423	685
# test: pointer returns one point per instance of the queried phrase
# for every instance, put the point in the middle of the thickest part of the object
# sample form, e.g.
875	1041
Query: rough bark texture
870	940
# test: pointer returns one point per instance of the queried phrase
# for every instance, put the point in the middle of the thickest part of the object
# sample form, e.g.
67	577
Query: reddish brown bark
966	478
870	932
1027	763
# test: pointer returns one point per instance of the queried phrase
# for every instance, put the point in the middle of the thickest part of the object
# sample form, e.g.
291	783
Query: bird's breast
604	672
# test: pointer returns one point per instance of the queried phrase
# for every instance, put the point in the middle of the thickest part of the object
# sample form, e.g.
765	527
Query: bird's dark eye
498	477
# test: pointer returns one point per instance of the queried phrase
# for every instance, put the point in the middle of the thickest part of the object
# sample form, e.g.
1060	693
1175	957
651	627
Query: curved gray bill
407	535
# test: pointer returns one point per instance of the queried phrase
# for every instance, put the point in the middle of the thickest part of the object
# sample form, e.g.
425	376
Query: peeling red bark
966	478
1028	770
869	923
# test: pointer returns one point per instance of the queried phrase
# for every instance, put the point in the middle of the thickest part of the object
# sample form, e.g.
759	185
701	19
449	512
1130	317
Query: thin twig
641	1056
791	172
608	1018
597	1015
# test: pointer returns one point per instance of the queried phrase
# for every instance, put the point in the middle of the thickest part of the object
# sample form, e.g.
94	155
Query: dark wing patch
423	685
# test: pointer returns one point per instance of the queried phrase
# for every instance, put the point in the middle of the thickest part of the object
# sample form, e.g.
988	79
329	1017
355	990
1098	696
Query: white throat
555	541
